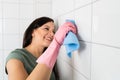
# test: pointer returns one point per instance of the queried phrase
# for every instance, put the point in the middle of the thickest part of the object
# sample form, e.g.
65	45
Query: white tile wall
105	63
63	65
65	69
82	61
43	9
10	10
78	76
63	18
106	17
11	42
61	6
64	55
27	11
10	26
98	25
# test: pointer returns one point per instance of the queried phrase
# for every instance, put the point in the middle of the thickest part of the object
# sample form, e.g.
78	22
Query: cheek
41	36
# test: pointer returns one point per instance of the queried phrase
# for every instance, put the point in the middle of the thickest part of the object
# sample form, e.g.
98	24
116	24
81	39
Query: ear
33	33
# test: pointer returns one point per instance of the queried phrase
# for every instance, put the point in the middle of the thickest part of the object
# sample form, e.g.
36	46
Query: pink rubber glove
50	55
63	30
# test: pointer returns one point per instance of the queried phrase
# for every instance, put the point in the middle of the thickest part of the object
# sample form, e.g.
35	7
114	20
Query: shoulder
15	57
15	67
15	54
13	63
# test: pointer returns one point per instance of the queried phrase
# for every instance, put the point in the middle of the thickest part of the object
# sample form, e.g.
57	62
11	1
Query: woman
32	61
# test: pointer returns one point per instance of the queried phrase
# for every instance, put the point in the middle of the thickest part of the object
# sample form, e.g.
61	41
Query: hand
63	30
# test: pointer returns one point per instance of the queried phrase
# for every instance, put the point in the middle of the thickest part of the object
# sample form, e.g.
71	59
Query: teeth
49	38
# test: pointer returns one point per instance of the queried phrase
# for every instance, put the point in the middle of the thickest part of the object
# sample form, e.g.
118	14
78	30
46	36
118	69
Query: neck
34	50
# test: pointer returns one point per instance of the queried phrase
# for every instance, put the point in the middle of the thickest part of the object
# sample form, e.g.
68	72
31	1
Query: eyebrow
49	27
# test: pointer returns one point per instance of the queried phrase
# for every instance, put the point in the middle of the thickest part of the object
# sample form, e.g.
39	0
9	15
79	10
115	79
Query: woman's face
44	34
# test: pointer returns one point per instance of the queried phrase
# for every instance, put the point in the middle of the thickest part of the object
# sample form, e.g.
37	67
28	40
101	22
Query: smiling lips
49	38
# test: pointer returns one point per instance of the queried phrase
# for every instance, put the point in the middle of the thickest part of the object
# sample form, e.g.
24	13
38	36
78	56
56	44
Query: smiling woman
37	59
37	37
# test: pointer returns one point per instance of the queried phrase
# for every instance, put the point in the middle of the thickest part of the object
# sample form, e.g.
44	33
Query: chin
46	45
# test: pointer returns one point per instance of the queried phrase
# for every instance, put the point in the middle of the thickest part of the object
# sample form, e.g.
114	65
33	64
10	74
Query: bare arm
16	71
40	68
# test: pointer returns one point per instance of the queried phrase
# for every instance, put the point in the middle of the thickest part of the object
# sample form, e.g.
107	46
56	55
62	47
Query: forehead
49	24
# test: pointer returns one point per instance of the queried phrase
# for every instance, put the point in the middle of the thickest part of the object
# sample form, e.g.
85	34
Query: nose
51	33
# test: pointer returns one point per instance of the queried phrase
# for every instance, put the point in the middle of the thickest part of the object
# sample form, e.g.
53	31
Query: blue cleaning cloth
72	21
71	43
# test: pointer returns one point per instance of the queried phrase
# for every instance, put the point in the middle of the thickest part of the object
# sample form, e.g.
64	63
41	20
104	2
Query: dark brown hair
28	36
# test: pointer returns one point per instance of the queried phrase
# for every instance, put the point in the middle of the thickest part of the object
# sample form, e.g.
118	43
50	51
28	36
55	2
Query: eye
46	28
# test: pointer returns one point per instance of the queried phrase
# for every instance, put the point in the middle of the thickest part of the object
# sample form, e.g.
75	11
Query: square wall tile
106	22
59	7
83	21
43	10
82	61
10	10
11	26
27	11
11	42
105	63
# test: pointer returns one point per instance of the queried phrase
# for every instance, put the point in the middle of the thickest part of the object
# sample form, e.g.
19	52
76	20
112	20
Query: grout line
77	8
101	44
91	40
